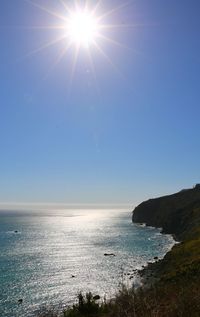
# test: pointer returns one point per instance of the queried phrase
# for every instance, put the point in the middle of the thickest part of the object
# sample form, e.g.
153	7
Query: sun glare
82	28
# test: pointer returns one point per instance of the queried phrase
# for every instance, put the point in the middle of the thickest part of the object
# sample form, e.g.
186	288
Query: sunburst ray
106	57
89	14
58	60
46	45
65	6
49	11
110	12
73	68
111	41
93	70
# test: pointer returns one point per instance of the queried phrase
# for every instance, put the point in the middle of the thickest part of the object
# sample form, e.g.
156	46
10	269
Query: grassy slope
178	214
178	273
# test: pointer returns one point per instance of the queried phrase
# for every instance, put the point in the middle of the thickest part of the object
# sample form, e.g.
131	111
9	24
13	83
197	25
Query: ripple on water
38	261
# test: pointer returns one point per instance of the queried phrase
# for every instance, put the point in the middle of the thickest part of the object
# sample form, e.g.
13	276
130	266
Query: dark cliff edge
177	214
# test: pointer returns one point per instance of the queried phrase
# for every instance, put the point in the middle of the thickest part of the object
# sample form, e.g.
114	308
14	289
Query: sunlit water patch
48	257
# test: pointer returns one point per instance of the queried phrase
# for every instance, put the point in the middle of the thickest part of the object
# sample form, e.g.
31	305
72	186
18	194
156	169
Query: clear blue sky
125	135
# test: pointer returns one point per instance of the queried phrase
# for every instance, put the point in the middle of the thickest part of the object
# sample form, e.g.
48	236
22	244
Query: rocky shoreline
178	215
149	274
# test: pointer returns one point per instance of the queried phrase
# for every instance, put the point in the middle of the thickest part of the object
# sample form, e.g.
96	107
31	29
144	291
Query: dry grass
158	301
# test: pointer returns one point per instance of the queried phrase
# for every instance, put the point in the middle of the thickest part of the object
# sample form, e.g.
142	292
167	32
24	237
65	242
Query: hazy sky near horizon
106	134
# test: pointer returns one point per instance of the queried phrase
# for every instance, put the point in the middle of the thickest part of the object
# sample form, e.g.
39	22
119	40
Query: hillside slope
178	214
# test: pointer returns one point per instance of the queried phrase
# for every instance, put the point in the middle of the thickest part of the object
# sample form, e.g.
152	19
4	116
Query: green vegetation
156	301
86	306
172	285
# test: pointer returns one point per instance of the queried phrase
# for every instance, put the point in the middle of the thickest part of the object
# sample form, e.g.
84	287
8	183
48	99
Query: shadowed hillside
178	214
179	271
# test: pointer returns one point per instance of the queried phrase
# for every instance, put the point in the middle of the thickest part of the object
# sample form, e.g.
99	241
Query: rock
155	258
96	297
174	213
20	301
109	254
73	276
16	231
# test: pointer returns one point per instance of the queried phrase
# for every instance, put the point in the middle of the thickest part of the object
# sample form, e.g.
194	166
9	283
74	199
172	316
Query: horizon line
45	205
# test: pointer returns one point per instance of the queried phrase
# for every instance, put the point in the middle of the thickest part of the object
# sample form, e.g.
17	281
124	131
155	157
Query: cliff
178	214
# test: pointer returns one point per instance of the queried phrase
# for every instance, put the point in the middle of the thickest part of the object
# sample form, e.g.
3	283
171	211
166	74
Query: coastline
148	275
170	285
179	215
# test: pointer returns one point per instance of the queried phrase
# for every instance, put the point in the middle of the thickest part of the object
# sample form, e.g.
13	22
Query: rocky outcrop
177	214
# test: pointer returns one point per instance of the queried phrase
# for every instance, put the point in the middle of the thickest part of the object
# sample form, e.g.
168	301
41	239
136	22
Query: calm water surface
38	261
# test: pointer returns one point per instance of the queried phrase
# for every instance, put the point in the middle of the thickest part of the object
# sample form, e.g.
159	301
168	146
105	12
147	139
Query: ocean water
56	254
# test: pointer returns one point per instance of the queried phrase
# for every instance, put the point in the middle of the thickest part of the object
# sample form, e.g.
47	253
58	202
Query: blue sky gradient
123	136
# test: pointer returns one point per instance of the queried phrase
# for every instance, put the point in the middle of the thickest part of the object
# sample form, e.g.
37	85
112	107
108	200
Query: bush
86	306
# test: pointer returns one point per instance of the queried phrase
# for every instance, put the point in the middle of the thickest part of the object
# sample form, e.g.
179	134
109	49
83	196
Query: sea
48	257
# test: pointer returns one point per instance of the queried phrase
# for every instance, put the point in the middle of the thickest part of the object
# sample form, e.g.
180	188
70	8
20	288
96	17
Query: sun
82	28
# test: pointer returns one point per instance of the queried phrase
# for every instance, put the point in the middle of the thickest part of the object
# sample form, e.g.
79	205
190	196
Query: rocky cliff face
177	214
